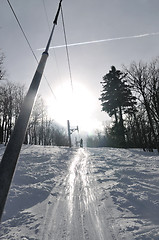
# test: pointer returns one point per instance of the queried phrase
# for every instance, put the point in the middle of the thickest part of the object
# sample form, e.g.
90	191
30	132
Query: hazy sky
85	20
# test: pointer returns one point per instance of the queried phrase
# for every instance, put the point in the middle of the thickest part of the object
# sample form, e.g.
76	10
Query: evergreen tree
116	99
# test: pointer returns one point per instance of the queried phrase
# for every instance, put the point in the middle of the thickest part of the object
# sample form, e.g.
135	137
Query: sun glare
77	105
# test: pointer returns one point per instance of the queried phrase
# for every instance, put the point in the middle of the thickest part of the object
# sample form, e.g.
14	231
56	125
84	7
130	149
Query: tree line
41	129
131	98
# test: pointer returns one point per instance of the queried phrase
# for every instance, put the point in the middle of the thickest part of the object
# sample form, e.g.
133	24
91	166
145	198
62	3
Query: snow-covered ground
76	194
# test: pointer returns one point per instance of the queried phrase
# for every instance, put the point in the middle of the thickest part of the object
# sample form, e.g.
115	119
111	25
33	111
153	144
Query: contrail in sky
105	40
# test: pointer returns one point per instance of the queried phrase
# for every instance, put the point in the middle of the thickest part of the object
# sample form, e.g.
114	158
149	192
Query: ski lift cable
30	47
67	52
47	19
49	28
22	30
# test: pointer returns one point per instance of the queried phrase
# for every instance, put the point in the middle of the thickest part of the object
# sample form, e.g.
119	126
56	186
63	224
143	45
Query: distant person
81	143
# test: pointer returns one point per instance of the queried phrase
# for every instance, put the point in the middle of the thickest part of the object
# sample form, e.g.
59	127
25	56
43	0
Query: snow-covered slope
75	194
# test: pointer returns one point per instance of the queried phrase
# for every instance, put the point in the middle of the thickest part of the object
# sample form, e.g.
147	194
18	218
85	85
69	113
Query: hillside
74	194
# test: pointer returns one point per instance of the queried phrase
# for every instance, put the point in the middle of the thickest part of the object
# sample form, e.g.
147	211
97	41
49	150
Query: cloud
104	40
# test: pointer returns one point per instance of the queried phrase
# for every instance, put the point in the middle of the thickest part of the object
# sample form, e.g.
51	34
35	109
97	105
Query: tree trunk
122	128
151	123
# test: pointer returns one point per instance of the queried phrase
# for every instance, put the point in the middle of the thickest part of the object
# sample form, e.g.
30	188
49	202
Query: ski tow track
76	214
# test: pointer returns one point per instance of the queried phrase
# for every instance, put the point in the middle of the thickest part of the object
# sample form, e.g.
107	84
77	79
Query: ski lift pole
11	154
70	131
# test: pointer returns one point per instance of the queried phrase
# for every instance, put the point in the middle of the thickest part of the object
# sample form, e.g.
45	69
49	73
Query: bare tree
144	79
11	96
2	70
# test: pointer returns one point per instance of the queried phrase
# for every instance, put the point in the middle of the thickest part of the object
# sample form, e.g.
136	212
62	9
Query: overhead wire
49	28
47	19
67	52
30	47
22	30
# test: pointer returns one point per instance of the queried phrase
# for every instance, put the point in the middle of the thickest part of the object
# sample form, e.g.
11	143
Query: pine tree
116	99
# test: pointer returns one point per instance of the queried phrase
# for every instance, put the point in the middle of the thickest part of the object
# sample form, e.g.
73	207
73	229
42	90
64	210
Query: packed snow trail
75	214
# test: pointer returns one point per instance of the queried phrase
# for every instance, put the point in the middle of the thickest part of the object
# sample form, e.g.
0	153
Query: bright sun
77	106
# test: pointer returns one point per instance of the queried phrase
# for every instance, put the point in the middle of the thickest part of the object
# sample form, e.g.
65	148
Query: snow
74	194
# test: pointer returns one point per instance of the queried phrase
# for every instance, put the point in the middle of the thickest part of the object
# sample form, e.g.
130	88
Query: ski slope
75	194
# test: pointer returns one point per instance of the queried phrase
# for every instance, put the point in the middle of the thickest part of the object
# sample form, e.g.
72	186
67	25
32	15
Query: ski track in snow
83	194
75	216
